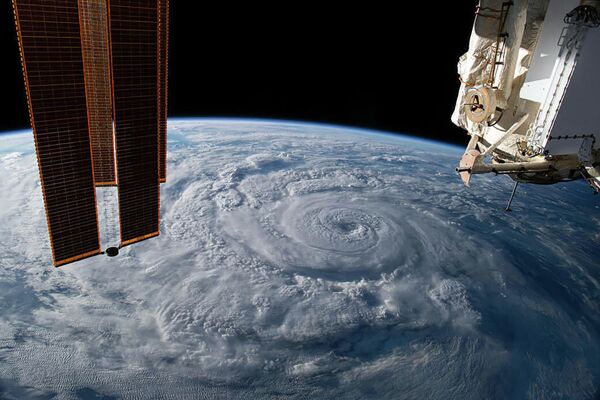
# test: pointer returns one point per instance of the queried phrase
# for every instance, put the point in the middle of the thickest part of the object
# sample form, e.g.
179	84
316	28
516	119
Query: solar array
163	60
51	56
95	75
134	44
94	42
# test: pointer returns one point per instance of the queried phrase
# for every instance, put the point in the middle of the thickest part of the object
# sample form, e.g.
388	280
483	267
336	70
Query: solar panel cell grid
163	58
50	46
94	39
134	49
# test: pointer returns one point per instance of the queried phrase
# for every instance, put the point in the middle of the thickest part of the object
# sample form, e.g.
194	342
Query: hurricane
302	260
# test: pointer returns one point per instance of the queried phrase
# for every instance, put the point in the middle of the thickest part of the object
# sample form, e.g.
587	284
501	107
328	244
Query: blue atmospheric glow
334	127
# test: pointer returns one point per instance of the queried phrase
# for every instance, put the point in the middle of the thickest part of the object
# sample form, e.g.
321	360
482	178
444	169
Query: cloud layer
304	260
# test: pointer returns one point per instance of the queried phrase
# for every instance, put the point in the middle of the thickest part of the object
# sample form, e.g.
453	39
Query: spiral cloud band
306	261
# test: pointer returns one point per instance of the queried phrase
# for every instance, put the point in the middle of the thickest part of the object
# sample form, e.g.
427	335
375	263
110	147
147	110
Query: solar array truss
134	50
50	47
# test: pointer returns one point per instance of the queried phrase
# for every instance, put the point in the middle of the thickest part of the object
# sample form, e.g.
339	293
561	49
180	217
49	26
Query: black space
389	67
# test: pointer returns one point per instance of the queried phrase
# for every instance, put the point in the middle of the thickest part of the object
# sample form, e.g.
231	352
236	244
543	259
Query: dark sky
389	67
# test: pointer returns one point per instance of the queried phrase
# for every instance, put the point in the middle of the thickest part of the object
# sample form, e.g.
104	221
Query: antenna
512	196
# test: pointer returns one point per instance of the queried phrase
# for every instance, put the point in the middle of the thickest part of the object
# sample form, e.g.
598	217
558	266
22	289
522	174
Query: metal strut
512	196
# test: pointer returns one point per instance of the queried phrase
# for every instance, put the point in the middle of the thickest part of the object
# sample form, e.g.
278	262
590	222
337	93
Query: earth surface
305	261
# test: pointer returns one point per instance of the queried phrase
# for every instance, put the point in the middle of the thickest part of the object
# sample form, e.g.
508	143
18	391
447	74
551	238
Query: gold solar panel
50	47
163	59
134	50
94	40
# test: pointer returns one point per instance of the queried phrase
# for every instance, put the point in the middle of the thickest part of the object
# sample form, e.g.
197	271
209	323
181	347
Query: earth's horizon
305	260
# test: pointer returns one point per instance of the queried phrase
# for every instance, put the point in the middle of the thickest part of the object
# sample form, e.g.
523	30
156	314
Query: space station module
530	91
